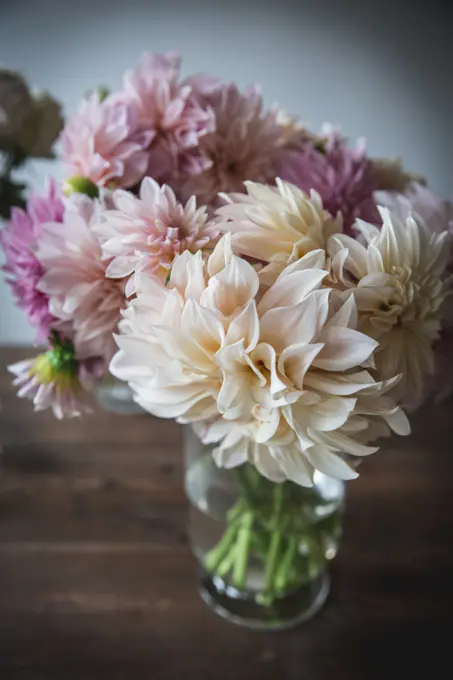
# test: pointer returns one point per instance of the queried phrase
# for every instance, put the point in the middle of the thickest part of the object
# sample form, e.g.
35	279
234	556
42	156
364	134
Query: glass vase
263	548
115	396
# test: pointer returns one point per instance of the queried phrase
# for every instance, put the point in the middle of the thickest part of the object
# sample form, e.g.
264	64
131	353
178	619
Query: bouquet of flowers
276	289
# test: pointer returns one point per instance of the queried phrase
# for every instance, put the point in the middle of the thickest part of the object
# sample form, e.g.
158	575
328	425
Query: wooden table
97	581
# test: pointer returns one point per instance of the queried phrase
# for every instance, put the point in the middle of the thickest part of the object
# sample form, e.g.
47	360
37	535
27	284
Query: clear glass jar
115	396
263	548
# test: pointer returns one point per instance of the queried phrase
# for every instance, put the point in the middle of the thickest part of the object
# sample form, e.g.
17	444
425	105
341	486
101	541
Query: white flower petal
266	464
232	457
121	266
344	349
245	326
295	361
330	463
291	289
234	287
294	464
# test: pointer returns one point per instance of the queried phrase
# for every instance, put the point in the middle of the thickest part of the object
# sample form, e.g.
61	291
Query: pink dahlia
105	143
23	269
247	144
148	232
343	177
87	306
174	112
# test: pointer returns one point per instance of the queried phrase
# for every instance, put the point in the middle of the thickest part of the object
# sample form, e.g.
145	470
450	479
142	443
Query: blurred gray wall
382	69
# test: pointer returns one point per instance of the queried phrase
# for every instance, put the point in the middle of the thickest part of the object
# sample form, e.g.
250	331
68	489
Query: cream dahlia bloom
87	305
149	231
274	379
399	280
276	225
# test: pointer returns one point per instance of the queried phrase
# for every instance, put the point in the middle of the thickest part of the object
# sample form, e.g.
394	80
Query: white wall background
380	68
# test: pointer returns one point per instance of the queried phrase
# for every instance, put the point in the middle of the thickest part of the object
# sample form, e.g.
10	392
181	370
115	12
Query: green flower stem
283	576
236	510
276	539
270	524
227	563
242	550
221	550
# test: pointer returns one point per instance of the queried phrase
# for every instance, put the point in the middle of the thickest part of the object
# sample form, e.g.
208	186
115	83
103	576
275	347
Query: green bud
103	92
80	185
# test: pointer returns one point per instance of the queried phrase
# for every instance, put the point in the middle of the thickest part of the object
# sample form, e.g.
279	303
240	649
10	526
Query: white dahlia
276	379
400	282
276	225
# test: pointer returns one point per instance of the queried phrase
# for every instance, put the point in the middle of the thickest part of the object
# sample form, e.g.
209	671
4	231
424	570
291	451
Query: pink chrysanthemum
23	270
148	232
247	144
105	143
343	177
87	306
173	112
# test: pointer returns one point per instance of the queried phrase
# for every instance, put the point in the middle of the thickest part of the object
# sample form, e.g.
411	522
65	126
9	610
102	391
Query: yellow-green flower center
57	365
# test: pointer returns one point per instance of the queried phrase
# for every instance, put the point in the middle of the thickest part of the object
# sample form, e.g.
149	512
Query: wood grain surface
97	581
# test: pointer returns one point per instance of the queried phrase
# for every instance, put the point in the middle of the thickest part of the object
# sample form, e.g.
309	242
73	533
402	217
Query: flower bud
80	185
103	92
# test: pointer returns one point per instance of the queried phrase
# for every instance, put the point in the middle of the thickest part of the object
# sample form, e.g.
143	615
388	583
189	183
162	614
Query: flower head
85	304
400	283
276	225
23	269
417	198
438	216
51	380
247	144
276	378
173	113
104	142
343	177
148	232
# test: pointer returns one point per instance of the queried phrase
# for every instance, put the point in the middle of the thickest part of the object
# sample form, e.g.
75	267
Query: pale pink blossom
86	305
276	379
19	239
173	111
147	232
247	144
105	143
